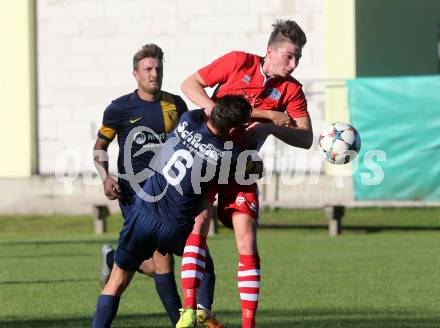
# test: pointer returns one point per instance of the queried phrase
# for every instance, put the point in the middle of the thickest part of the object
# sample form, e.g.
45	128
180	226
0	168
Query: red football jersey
241	73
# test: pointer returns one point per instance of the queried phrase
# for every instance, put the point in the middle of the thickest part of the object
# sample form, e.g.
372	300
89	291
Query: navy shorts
142	234
126	201
125	209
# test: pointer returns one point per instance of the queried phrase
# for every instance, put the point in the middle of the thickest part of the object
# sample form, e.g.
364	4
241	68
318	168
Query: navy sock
110	259
205	296
106	309
167	290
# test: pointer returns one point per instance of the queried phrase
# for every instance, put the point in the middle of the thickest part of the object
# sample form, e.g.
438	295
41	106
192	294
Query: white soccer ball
340	143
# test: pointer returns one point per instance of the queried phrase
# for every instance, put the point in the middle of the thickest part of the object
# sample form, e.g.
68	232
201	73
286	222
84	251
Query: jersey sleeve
297	105
251	164
110	123
219	70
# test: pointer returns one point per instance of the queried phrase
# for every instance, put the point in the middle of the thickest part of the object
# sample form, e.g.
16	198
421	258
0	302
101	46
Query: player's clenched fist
111	188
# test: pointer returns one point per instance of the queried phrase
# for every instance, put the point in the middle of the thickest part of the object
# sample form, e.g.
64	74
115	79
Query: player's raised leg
190	283
194	262
193	266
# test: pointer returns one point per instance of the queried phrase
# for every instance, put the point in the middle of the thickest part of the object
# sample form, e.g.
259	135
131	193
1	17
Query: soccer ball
340	143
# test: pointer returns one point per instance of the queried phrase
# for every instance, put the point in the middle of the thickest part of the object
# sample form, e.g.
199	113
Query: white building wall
85	49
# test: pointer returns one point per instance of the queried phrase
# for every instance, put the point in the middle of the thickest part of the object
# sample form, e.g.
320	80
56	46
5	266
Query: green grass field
50	265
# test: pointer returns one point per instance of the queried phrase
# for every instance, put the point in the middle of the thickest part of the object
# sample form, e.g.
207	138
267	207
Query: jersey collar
137	98
265	78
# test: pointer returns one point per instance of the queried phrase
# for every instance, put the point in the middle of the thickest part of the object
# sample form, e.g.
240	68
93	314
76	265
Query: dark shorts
126	201
142	234
125	209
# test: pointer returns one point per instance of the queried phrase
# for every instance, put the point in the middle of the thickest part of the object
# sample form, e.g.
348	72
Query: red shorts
235	199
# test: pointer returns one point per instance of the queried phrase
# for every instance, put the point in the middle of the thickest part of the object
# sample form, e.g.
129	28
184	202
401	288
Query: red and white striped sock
193	266
249	287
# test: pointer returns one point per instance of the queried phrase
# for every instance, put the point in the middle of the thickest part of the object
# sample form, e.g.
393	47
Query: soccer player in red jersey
279	109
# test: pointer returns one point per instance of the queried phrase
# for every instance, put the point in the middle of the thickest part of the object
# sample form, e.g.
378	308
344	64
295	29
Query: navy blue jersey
139	125
191	159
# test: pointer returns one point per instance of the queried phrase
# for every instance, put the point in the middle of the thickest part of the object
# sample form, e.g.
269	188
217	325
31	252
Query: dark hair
287	30
150	50
229	112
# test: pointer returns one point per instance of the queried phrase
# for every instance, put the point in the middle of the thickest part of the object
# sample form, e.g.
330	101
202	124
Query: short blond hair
150	50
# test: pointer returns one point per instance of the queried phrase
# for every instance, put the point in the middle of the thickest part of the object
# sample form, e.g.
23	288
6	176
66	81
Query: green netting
399	116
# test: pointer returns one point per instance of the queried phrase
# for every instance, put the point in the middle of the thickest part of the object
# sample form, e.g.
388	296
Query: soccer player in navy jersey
140	121
162	217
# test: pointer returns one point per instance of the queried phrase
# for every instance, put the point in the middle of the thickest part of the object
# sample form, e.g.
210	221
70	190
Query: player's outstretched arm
194	88
300	134
100	158
277	118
